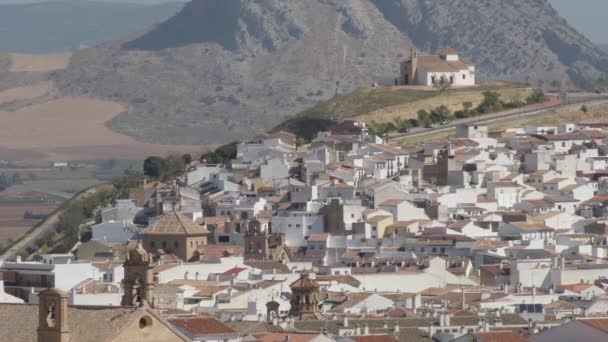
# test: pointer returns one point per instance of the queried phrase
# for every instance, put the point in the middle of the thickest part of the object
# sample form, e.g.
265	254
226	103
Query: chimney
275	320
366	329
385	326
448	319
506	289
396	329
345	324
357	330
486	326
464	302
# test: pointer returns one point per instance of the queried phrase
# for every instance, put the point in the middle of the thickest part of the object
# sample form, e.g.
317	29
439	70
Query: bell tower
53	316
139	278
305	299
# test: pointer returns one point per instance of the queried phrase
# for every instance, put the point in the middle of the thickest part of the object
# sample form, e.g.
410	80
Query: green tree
537	96
584	109
124	183
424	118
401	125
187	158
154	167
221	154
491	103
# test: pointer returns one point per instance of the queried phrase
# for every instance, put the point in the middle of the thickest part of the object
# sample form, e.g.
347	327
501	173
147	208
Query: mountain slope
226	69
67	25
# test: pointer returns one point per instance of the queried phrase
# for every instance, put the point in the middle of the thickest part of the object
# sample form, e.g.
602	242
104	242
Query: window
298	225
176	244
434	249
352	215
464	77
442	250
224	239
309	226
152	244
374	229
164	244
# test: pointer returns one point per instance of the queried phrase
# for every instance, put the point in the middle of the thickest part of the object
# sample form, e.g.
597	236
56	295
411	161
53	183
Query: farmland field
12	223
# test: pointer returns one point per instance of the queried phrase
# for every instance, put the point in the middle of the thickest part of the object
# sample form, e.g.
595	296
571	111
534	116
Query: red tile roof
598	323
234	271
202	326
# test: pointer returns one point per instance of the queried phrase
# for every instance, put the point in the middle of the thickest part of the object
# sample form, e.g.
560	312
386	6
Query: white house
443	67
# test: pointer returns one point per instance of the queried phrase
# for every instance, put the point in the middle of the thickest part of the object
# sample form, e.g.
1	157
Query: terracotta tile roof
575	287
598	323
202	326
556	180
396	313
352	300
437	64
343	279
458	225
85	323
561	305
392	149
391	202
505	185
209	291
532	227
212	252
374	338
540	203
174	223
378	218
234	271
304	283
282	337
318	237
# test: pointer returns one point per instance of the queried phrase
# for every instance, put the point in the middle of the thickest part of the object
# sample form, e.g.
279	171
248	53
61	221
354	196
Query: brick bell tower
306	299
139	278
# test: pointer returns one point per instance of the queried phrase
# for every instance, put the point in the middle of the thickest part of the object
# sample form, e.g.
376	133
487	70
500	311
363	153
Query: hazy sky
587	16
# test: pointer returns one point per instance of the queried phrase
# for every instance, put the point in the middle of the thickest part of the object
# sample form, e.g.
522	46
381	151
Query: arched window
51	317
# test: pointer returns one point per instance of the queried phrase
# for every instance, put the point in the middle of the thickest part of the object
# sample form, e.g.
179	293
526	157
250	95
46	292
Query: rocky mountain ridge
222	70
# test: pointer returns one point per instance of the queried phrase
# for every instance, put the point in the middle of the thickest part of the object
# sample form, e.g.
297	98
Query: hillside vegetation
394	108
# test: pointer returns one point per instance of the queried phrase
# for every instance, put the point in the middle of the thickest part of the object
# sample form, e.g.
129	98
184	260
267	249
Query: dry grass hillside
453	99
24	93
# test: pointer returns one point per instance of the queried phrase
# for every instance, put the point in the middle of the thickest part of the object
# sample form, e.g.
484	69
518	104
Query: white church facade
443	67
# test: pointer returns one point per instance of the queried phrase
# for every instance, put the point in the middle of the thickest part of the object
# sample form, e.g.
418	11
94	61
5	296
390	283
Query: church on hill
443	67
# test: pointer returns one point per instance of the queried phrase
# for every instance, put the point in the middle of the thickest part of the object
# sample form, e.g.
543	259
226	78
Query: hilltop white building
444	66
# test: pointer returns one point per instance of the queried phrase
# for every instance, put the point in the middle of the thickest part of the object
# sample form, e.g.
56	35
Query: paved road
512	114
49	223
